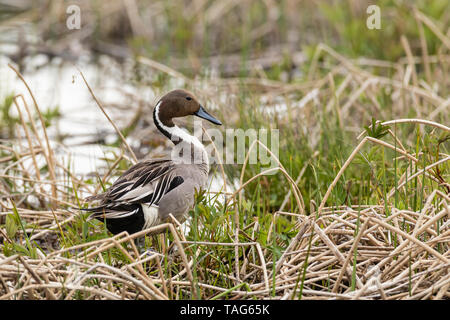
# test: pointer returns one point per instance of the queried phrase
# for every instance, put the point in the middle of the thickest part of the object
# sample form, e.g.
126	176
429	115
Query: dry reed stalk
432	26
350	253
49	153
27	133
297	193
220	162
161	67
109	119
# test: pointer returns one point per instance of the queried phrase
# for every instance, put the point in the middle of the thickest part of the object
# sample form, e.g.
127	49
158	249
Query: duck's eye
188	98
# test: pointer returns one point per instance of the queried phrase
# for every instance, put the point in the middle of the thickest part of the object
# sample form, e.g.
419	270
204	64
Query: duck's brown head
179	103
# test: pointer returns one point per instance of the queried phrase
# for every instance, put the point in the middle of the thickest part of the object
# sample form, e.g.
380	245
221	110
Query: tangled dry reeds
343	248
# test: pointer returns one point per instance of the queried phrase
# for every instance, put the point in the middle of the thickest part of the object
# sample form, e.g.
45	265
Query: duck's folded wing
144	183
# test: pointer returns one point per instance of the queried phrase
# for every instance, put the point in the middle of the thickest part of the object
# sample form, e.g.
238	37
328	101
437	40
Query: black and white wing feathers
144	183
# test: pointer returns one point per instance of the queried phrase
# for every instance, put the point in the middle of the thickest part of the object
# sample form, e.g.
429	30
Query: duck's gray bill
205	115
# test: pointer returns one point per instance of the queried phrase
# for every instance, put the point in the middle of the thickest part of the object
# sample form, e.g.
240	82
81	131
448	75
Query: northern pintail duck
150	190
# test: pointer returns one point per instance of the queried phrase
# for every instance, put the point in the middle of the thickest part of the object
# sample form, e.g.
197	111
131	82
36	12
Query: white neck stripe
176	131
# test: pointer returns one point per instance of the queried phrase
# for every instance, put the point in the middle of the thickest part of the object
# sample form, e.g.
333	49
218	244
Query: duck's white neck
182	139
